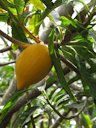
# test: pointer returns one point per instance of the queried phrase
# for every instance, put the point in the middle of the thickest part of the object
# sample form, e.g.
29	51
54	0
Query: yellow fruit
32	65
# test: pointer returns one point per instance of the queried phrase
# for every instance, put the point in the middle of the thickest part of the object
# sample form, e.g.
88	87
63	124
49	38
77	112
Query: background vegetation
66	98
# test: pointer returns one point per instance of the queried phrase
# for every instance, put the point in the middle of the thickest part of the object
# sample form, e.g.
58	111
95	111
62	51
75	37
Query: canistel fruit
32	65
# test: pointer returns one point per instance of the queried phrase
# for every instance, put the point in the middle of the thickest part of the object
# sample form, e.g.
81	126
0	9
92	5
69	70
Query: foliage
67	97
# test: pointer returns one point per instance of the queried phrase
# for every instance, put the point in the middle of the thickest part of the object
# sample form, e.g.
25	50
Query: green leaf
65	21
69	53
85	5
57	65
52	93
18	33
6	71
19	5
24	116
10	104
86	121
37	4
8	3
58	96
4	17
88	79
81	48
84	52
34	23
92	63
81	41
57	93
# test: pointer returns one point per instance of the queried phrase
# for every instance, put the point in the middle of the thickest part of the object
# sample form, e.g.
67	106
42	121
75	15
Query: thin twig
27	122
13	40
32	120
8	48
4	64
70	117
59	120
78	113
55	110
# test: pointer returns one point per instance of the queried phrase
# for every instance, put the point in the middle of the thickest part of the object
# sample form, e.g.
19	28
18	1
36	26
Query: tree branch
13	40
78	113
8	48
32	120
4	64
59	120
9	92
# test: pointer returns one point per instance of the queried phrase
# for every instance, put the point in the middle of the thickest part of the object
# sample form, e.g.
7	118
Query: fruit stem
28	32
13	40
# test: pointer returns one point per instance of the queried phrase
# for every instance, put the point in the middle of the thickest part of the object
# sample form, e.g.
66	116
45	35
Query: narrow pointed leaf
57	65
